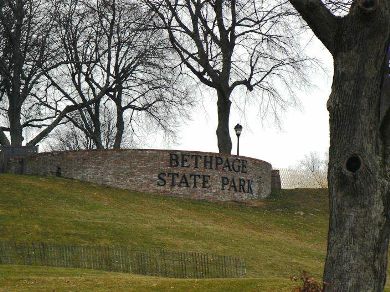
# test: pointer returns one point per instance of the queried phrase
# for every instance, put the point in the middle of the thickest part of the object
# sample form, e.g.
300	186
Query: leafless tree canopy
113	51
78	60
227	44
27	50
316	167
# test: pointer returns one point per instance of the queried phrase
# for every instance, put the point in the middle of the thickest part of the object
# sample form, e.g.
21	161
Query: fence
297	178
152	262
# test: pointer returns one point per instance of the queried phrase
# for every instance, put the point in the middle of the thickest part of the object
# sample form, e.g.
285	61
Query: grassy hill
278	236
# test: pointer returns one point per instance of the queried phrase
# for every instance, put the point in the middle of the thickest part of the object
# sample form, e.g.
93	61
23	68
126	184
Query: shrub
309	284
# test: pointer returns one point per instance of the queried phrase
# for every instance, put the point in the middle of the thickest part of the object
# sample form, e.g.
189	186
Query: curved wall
188	174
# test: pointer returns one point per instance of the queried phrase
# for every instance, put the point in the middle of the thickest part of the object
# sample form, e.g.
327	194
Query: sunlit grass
25	278
278	236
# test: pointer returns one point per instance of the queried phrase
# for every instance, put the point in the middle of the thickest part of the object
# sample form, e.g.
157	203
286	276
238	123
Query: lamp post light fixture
238	129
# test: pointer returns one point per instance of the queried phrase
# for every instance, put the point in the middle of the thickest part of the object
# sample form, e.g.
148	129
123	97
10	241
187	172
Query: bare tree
29	49
359	182
68	137
111	50
228	44
316	167
25	38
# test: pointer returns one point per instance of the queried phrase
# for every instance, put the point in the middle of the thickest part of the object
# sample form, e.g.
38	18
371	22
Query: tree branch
323	23
3	139
68	109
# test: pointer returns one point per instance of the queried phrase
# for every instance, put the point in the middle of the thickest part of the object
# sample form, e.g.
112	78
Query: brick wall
276	183
7	152
196	175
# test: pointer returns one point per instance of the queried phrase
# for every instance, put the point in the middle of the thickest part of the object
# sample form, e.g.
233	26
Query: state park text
188	179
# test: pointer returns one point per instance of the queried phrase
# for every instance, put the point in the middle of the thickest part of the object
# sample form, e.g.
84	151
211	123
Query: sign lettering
209	162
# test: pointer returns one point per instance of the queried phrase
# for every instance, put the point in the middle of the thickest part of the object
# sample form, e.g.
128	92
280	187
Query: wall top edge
145	150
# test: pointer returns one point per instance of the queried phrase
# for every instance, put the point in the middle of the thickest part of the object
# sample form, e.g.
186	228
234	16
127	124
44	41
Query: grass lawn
27	278
278	236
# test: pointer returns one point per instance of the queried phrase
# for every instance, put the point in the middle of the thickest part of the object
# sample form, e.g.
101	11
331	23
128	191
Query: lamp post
238	129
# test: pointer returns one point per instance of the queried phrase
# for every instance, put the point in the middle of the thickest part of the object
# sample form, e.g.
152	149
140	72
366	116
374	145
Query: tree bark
358	171
14	115
16	99
359	153
223	135
120	126
97	131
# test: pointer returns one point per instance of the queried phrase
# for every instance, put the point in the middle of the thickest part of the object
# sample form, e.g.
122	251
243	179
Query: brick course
151	171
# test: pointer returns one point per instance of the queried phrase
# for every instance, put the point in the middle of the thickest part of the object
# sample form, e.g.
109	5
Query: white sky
303	131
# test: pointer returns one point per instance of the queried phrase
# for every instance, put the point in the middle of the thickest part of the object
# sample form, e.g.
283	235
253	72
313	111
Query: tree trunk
14	116
358	177
97	127
97	137
223	135
16	100
120	127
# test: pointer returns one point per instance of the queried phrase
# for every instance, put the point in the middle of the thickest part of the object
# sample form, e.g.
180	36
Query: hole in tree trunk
353	163
369	5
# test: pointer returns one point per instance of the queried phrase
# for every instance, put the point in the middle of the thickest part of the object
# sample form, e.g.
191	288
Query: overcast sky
303	130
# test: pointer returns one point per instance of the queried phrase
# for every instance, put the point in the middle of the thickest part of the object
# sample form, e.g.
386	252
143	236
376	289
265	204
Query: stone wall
276	183
7	152
195	175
